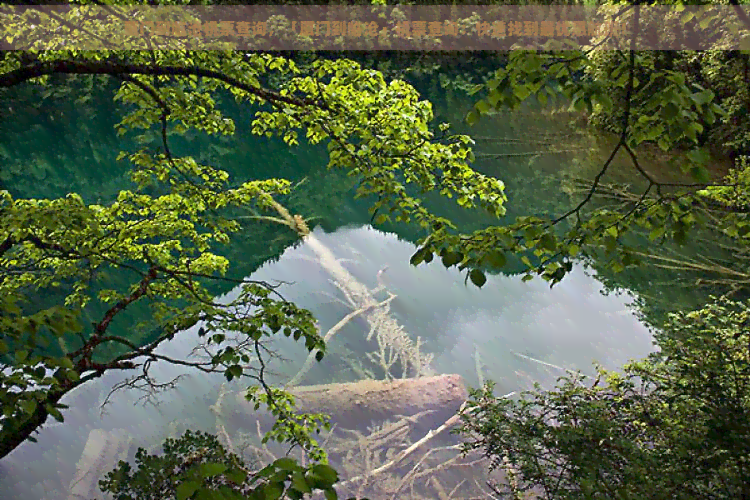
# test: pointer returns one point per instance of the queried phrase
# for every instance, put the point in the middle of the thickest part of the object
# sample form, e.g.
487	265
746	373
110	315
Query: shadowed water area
489	333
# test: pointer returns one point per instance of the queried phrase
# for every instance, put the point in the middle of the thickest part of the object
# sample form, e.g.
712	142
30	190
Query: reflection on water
571	325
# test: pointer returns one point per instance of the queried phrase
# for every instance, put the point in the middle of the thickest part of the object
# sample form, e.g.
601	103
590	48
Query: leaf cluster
196	466
673	425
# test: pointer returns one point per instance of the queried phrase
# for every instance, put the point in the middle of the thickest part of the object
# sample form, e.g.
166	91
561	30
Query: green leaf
521	92
211	469
293	494
286	463
701	98
548	242
494	97
234	371
21	356
472	117
319	356
452	258
419	257
54	412
700	174
496	259
715	108
210	494
299	483
186	490
331	494
267	471
656	233
273	491
477	277
680	236
476	88
610	243
236	476
28	405
604	101
482	107
710	117
670	111
579	104
326	473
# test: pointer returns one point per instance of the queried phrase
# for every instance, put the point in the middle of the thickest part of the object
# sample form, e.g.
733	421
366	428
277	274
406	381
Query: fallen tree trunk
356	404
395	347
103	451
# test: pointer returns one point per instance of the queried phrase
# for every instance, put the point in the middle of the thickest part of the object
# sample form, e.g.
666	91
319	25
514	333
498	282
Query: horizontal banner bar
411	27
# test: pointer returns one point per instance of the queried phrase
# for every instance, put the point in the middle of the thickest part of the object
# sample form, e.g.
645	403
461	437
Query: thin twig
329	335
573	372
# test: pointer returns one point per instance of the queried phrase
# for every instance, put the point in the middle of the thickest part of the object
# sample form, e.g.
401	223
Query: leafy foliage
674	425
196	466
164	233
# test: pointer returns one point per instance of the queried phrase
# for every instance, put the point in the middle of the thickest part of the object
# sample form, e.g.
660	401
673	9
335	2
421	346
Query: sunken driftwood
352	405
102	453
395	346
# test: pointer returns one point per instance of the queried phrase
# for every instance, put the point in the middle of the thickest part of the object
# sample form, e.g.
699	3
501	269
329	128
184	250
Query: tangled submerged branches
395	347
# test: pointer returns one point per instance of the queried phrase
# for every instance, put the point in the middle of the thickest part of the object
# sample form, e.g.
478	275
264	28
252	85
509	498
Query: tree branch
625	124
39	69
11	440
100	328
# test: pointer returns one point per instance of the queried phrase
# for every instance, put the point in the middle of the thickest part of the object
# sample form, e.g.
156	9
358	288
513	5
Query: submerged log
103	451
394	344
356	404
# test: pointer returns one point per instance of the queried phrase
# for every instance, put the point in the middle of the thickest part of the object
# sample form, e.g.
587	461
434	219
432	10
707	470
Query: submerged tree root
391	459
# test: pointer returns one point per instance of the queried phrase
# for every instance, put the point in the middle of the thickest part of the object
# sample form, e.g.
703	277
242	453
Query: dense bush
673	426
